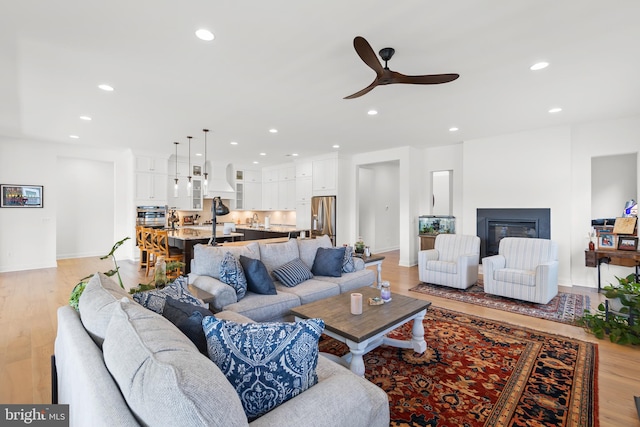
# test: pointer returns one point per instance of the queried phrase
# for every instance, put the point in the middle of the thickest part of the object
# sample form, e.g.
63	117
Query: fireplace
495	224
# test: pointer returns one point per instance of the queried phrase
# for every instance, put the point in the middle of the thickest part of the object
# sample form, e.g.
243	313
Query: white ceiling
288	65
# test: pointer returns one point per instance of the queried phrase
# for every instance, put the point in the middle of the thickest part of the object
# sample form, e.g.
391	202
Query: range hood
218	180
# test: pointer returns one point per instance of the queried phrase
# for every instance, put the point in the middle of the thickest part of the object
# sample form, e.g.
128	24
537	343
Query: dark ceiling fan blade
430	79
363	91
366	53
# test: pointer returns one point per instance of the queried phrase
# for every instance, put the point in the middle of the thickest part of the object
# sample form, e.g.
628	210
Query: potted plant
618	317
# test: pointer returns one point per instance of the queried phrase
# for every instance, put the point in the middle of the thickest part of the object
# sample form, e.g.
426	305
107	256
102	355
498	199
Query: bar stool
140	245
147	241
170	253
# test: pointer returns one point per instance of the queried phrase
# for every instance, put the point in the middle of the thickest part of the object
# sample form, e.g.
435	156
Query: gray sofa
262	308
118	363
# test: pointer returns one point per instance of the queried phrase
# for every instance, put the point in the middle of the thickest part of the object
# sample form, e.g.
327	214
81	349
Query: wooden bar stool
170	253
147	241
144	257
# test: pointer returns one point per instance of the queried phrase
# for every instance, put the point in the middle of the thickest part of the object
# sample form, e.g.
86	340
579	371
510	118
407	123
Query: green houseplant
618	317
79	288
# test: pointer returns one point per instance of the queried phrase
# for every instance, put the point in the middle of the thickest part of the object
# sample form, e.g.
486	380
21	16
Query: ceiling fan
384	76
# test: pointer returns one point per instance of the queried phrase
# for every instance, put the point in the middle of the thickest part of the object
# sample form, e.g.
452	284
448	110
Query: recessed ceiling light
555	110
255	162
198	154
106	88
336	146
263	154
294	154
74	136
539	66
273	130
233	143
87	118
204	34
372	112
453	129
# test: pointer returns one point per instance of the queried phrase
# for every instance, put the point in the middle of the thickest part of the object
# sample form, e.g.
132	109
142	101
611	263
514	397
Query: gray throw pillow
188	318
293	273
258	279
328	262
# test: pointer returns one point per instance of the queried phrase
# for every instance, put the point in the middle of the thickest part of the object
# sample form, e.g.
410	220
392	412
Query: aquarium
436	224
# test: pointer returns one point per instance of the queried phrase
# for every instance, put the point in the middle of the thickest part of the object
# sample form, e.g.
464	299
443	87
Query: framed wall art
627	243
21	196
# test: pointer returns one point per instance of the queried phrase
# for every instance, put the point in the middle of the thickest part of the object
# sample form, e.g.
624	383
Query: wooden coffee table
364	332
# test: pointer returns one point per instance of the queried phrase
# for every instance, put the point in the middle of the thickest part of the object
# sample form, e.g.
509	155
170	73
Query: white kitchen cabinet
303	215
270	175
287	195
287	173
304	170
151	164
325	176
252	195
239	200
252	175
151	189
150	180
270	196
304	189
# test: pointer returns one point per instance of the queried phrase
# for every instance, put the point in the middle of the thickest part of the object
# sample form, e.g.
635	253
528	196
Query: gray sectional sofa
262	308
120	364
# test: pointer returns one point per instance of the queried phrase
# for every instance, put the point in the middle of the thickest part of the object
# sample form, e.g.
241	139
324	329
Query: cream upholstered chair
452	262
524	269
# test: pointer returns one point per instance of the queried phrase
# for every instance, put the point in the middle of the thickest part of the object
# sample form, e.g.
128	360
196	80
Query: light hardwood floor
29	300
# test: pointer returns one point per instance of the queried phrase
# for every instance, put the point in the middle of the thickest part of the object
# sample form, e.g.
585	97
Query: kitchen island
186	238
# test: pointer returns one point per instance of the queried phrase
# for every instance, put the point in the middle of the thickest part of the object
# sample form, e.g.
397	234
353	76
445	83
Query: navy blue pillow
259	280
188	318
328	262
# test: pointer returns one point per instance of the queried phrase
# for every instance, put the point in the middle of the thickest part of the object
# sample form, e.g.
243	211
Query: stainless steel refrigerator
323	217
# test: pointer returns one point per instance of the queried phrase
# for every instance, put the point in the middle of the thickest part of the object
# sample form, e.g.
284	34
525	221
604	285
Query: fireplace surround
494	224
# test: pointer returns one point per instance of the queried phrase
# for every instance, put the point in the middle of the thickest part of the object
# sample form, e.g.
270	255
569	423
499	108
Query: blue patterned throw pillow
348	266
232	274
154	300
293	273
267	363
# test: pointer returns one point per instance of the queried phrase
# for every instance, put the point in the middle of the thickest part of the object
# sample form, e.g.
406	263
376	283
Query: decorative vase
592	246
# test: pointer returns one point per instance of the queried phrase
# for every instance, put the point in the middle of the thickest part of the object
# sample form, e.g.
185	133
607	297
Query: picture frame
625	225
21	196
197	170
627	243
607	241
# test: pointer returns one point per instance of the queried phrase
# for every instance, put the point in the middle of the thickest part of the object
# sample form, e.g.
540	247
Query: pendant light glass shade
175	187
205	185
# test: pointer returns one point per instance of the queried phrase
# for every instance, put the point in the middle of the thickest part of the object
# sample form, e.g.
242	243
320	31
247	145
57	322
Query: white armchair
524	269
452	262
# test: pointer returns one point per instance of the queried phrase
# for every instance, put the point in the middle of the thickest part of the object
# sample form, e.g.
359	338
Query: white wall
613	181
522	170
28	237
88	227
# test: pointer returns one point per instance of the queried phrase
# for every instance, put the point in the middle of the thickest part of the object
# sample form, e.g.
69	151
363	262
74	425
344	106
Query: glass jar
160	273
385	291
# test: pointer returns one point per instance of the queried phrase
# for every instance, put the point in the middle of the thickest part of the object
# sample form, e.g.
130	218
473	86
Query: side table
373	260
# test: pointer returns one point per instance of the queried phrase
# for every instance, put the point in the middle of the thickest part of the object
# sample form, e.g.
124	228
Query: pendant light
206	181
175	187
189	186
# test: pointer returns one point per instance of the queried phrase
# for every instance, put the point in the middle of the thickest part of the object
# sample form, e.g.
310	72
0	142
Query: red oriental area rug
563	308
479	372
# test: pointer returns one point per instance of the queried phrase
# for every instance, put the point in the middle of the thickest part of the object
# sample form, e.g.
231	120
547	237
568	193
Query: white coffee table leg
357	362
417	333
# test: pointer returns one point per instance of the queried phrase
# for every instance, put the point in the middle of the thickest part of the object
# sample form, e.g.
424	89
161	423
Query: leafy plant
74	298
621	325
171	266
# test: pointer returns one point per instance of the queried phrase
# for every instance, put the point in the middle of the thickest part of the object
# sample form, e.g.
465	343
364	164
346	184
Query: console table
614	257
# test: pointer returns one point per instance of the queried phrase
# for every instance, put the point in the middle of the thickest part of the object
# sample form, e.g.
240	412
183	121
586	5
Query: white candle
356	303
